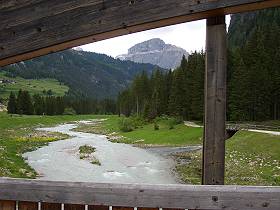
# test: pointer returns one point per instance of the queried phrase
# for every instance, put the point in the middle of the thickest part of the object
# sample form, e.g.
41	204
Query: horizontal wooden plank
135	195
30	28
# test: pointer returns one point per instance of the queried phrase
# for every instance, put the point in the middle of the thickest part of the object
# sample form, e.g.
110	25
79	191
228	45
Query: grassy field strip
276	133
33	86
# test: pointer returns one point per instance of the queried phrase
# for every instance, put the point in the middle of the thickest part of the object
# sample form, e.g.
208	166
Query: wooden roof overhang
31	28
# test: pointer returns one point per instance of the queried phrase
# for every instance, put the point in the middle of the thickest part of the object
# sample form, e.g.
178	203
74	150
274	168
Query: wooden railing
243	126
45	195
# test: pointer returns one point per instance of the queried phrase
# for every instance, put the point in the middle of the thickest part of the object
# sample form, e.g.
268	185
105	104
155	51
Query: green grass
251	159
179	136
86	149
86	152
17	136
33	86
146	134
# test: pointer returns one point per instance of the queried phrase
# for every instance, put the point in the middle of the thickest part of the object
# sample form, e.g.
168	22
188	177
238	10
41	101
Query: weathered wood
95	207
74	207
142	208
30	28
23	205
7	205
122	208
215	102
173	209
50	206
136	195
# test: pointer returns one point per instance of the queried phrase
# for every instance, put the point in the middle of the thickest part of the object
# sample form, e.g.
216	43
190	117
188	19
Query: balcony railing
48	195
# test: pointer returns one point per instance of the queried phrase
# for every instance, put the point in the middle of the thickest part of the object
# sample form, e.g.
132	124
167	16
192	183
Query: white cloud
190	36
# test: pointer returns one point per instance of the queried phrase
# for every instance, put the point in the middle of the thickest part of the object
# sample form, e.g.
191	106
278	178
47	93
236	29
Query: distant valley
86	74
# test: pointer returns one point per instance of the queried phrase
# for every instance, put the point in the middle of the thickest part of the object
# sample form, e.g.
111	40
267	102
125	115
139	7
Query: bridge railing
241	126
46	195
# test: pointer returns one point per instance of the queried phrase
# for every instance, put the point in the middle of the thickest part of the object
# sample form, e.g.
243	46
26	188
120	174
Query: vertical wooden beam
215	102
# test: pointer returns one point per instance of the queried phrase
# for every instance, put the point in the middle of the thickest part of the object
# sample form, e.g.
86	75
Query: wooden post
215	102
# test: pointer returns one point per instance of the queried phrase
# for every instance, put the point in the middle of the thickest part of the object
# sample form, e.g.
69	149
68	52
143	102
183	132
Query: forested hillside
242	26
85	73
254	66
177	93
253	77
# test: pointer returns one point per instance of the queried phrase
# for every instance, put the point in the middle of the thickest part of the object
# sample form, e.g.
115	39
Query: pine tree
39	105
12	104
27	105
20	102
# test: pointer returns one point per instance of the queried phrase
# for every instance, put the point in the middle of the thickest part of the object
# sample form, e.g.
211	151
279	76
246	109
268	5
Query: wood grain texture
50	206
74	207
215	102
173	209
138	195
95	207
122	208
30	28
23	205
7	205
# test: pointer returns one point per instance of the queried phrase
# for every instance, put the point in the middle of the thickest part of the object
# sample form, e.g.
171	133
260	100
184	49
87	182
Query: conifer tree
12	105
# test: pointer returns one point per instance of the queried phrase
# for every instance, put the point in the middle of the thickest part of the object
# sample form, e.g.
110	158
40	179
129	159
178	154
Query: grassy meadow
33	86
251	159
145	134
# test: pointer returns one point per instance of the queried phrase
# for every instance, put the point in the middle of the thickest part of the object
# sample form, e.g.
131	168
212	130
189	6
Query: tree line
24	103
177	93
253	84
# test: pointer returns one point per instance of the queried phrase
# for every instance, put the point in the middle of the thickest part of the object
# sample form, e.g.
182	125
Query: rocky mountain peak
149	45
156	52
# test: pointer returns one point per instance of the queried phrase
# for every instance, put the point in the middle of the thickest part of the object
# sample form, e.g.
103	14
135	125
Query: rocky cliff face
157	52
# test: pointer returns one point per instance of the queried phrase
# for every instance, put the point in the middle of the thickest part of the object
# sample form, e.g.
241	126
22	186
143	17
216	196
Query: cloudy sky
190	36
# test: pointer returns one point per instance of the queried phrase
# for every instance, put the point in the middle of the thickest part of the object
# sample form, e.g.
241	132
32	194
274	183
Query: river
120	163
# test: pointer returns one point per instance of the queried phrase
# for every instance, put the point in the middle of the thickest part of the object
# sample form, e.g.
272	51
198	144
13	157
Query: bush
137	121
126	124
171	123
156	126
69	111
174	121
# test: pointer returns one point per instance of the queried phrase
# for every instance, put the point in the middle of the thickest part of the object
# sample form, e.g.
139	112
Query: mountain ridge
157	52
86	73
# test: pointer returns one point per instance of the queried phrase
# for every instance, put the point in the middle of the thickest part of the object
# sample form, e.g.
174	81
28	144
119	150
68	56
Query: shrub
125	124
69	111
174	121
171	123
156	126
137	121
